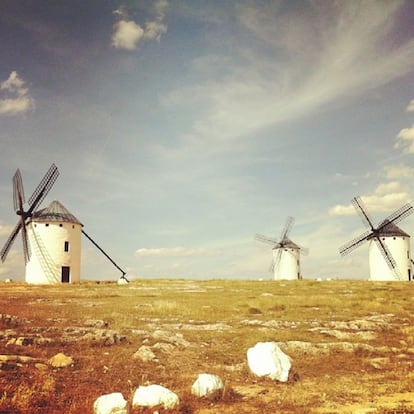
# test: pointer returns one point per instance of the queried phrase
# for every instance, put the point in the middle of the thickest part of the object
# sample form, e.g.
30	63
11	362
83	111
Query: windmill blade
362	211
304	250
267	240
43	188
287	228
354	243
277	259
398	215
389	259
18	192
26	246
9	242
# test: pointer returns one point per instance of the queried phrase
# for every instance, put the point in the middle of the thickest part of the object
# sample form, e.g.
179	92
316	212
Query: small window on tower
66	246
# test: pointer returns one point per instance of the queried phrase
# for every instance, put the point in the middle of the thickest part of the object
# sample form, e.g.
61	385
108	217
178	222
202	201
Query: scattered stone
96	323
10	321
266	359
171	338
23	341
379	363
60	360
111	404
273	324
11	341
145	354
43	341
324	348
95	336
206	384
18	359
154	395
164	347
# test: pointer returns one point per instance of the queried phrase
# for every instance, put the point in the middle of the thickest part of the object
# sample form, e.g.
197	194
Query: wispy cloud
175	252
14	96
410	107
127	33
405	140
394	172
301	63
386	197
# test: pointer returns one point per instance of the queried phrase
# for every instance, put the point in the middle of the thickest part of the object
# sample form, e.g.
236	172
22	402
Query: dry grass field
351	344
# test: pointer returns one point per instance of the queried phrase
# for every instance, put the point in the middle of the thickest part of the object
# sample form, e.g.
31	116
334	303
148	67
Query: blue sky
182	128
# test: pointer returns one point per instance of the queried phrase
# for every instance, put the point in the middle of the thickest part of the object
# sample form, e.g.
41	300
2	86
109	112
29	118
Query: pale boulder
206	384
60	360
266	359
111	404
154	395
145	354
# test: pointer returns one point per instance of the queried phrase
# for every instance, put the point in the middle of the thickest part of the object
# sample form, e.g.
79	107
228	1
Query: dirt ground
351	345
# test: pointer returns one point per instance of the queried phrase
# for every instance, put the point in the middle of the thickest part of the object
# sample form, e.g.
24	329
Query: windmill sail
378	234
18	203
285	260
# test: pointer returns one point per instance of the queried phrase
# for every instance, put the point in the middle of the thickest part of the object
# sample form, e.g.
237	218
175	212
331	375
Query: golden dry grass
219	320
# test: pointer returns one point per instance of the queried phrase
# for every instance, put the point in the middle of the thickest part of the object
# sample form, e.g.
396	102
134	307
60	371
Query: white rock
206	384
60	360
111	404
266	359
153	395
145	354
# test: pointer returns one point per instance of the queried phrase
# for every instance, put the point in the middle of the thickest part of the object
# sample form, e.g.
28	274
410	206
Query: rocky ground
58	354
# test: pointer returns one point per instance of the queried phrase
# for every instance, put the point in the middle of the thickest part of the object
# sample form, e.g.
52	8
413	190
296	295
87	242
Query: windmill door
65	274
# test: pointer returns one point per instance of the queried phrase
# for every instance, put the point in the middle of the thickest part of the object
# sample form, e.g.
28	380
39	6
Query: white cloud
393	172
175	252
17	99
386	197
160	9
410	107
154	30
341	210
127	35
406	140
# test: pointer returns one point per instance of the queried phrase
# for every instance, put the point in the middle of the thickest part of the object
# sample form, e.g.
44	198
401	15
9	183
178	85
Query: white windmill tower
286	254
389	246
51	236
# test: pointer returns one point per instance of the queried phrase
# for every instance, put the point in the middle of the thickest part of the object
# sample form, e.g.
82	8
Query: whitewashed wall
47	245
289	265
399	247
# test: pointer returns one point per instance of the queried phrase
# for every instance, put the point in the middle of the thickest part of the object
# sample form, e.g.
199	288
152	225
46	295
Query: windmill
389	250
286	254
34	201
51	236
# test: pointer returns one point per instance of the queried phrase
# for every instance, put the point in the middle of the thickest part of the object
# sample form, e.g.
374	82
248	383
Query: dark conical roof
287	243
56	211
389	229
